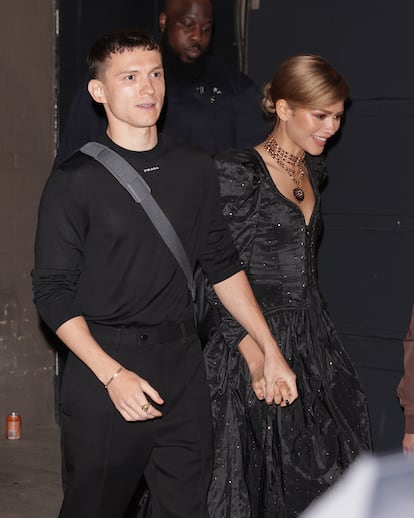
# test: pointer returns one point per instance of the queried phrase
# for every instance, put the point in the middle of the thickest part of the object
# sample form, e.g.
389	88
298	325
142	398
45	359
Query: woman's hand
283	390
257	378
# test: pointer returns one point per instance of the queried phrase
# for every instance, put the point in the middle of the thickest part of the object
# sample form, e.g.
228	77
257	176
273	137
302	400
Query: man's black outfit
214	109
99	256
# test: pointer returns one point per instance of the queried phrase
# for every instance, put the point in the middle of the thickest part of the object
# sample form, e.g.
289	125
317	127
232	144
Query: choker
288	162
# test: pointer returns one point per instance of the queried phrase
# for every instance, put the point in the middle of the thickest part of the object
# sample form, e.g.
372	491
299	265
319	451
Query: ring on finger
145	407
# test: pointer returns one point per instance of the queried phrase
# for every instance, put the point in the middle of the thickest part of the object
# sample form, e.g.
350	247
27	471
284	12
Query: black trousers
105	457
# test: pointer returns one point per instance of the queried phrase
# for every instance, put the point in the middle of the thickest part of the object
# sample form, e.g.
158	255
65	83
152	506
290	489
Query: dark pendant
299	194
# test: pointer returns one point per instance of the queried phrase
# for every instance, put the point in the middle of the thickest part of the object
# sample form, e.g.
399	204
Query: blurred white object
373	487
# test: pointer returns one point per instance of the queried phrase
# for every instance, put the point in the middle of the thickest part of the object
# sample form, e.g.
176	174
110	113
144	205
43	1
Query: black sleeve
59	249
219	258
240	200
240	197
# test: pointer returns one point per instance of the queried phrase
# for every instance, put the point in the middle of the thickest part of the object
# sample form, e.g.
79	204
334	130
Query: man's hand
127	390
255	360
132	397
282	389
408	443
237	297
280	380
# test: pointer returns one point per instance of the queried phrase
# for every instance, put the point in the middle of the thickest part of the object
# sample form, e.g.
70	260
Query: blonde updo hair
304	81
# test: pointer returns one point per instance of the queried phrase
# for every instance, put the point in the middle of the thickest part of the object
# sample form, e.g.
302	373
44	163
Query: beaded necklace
288	162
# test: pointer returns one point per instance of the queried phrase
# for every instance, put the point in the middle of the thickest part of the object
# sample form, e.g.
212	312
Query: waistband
146	335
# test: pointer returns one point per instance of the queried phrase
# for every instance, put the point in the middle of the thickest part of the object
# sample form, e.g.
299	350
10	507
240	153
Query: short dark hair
117	42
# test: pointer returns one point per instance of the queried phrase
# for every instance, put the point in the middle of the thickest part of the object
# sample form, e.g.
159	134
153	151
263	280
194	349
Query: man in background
208	105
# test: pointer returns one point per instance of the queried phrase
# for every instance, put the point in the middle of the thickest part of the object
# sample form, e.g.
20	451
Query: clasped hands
271	377
274	381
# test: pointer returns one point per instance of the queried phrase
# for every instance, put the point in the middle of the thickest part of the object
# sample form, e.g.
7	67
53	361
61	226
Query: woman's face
309	129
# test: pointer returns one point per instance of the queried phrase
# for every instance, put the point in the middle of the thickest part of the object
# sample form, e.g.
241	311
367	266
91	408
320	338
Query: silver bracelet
114	375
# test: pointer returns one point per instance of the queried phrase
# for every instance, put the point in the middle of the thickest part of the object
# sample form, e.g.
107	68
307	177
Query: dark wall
366	254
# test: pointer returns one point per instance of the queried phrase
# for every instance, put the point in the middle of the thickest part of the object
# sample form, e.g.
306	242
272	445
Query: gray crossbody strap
138	188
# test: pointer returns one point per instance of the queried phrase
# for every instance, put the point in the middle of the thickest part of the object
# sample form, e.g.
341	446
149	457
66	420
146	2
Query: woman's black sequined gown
271	462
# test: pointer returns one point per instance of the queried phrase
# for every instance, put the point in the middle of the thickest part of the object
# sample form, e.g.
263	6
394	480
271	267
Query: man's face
131	88
187	26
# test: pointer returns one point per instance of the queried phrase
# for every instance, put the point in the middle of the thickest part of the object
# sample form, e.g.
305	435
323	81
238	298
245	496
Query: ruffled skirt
272	462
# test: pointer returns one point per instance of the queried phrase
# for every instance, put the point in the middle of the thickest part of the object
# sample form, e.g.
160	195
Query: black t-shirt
98	255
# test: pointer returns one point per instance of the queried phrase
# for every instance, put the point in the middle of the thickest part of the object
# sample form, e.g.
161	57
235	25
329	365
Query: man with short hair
209	104
134	397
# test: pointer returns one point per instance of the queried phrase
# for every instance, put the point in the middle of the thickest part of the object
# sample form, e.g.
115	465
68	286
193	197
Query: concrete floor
30	475
30	481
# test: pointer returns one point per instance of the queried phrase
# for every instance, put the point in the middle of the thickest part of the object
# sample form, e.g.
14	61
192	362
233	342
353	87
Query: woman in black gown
273	461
